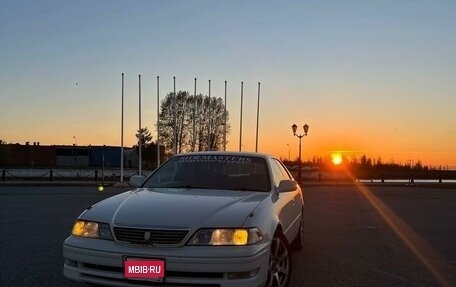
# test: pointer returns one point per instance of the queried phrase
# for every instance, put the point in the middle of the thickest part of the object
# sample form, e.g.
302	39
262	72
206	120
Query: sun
336	158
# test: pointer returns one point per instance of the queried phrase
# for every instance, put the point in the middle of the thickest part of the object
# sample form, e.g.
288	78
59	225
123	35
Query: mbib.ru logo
144	268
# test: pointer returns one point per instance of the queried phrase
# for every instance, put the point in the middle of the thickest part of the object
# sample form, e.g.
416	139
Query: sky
368	77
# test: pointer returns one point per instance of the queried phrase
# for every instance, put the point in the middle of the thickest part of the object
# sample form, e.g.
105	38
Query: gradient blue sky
369	77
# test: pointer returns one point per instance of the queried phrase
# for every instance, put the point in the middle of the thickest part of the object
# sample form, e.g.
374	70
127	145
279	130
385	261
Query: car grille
150	236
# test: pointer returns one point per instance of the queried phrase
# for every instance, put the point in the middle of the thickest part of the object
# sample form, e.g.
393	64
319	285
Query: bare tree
192	111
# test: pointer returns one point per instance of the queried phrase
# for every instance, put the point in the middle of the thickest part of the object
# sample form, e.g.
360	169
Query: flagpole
122	133
224	126
194	118
139	130
209	119
258	117
174	119
158	121
181	126
240	128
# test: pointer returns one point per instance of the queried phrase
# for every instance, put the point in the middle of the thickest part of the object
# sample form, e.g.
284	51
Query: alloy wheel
279	263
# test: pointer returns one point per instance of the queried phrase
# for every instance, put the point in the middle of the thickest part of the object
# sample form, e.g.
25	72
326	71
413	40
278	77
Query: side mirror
136	180
287	185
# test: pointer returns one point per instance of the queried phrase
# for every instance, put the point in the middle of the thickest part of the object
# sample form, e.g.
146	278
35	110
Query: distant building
31	155
107	156
72	156
36	155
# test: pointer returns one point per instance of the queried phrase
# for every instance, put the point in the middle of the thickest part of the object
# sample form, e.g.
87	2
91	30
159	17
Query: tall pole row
175	131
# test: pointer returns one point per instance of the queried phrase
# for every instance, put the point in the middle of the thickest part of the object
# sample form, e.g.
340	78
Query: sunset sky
368	77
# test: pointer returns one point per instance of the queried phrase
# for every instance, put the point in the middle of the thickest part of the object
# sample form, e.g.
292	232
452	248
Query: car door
285	205
297	200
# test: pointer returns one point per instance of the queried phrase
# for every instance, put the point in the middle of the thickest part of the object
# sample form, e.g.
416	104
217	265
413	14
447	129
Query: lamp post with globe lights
294	127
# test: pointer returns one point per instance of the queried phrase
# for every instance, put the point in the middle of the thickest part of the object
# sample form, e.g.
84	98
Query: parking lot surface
355	235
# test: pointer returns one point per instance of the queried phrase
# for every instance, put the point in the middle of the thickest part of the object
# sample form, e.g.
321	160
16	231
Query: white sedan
201	219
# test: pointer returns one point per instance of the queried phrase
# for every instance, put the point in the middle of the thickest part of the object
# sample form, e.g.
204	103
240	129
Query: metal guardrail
66	174
114	174
332	176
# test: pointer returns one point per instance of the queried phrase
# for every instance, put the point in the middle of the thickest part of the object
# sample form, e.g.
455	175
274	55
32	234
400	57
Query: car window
212	172
276	173
166	174
283	170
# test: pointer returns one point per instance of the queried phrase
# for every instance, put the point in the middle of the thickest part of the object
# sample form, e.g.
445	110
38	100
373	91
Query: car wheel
298	242
279	262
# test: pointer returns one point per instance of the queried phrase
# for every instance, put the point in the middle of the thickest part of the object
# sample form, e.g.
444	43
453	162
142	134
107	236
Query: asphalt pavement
354	235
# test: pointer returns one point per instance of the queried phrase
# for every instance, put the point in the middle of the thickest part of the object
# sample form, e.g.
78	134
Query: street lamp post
294	127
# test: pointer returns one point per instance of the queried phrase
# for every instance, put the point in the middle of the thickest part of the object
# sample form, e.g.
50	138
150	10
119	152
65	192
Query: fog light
71	263
243	275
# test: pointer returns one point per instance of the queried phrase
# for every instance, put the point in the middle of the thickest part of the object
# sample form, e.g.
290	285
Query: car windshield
212	172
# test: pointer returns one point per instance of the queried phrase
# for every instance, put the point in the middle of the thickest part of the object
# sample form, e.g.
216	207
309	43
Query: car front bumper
102	262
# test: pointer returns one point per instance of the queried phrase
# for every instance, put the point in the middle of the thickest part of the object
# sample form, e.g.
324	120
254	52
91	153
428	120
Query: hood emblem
147	235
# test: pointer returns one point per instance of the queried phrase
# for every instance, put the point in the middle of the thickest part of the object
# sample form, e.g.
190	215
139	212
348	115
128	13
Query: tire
279	271
298	242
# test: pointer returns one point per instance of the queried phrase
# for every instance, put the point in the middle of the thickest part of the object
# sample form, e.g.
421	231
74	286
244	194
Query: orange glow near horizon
278	142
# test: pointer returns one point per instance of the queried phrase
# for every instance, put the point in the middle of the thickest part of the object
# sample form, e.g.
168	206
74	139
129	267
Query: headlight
224	236
91	229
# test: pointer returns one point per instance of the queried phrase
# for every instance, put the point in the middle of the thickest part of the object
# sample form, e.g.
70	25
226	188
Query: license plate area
144	269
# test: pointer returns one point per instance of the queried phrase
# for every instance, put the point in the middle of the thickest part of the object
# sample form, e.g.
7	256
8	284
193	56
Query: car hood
176	208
